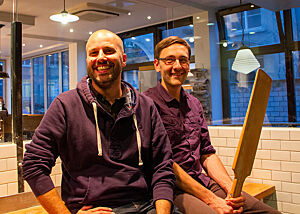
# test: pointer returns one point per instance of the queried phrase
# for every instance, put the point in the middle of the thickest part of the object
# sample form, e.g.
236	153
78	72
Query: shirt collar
166	96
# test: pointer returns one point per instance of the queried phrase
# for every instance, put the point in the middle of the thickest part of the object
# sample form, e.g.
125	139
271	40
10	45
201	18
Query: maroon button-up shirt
186	127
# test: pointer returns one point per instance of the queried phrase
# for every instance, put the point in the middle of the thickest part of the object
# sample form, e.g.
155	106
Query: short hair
168	42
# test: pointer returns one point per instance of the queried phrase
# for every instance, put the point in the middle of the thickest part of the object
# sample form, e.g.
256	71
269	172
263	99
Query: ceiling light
133	38
90	32
251	32
191	25
149	17
129	13
191	39
23	44
71	30
64	17
41	46
147	40
210	24
252	5
197	17
225	44
244	61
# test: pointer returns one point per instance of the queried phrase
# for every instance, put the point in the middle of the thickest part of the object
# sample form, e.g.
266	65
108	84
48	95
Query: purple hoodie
109	164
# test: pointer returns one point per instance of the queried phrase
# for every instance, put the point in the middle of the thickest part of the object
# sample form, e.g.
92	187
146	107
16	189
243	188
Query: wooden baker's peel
246	150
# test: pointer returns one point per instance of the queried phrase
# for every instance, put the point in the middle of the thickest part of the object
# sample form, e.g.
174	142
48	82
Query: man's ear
124	60
156	65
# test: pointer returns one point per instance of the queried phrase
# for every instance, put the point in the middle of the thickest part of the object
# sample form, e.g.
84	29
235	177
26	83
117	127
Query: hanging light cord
64	5
242	25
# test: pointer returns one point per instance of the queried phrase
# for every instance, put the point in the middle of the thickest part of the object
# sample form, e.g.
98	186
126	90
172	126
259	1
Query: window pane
65	70
26	86
1	80
260	28
241	87
52	72
132	78
139	49
296	57
38	85
184	32
296	23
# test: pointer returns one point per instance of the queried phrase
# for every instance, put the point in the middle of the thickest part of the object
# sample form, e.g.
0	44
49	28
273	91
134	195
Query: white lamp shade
64	17
245	61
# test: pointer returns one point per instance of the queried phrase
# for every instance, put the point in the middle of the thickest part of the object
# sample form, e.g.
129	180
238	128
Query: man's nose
177	64
101	55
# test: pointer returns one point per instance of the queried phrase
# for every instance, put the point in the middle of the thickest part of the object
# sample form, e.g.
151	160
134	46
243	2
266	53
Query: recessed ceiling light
149	17
191	25
41	46
251	32
252	5
23	44
129	13
71	30
133	38
197	17
233	29
210	23
147	40
90	32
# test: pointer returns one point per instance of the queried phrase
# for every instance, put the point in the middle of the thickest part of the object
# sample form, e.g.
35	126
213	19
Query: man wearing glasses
183	118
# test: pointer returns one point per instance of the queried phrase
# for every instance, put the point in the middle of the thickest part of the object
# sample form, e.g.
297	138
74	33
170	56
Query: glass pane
184	32
132	78
65	70
38	85
26	86
260	28
296	57
240	86
139	49
52	72
1	80
296	23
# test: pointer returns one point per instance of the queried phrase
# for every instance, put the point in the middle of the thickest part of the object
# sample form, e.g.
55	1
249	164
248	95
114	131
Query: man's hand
96	210
220	206
236	203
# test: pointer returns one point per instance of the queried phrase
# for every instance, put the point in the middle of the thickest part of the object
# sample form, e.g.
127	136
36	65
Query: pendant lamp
244	61
64	17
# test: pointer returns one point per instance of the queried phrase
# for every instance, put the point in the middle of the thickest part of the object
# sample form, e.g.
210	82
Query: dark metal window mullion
288	50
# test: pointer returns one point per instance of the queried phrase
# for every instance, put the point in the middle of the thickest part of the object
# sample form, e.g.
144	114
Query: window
132	78
65	70
296	23
139	48
257	31
26	86
1	80
262	35
44	77
38	85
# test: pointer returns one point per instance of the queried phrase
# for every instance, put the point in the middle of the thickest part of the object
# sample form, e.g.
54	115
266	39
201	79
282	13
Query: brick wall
277	162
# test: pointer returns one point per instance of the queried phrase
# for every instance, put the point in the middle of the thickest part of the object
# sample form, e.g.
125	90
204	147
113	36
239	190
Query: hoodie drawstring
138	139
138	136
97	130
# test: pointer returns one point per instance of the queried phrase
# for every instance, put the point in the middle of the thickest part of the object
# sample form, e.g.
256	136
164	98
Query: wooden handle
236	188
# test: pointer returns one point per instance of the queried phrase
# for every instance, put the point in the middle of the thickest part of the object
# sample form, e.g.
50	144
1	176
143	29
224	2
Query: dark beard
104	84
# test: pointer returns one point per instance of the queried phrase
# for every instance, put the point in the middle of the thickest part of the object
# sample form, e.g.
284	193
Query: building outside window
2	63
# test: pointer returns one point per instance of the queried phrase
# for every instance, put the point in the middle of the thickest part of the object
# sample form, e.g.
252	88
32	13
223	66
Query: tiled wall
277	163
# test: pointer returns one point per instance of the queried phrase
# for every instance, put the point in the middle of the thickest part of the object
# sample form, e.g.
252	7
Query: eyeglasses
171	60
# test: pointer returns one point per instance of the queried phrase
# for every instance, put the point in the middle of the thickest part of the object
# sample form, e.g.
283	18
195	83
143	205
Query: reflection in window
184	32
296	57
132	78
38	85
65	70
296	23
139	48
26	86
258	31
52	72
241	87
1	80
